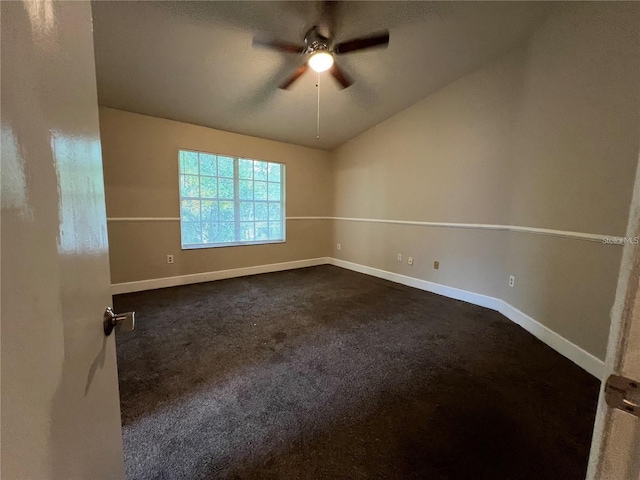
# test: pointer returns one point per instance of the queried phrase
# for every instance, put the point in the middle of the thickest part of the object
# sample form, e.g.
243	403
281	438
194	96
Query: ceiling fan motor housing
315	41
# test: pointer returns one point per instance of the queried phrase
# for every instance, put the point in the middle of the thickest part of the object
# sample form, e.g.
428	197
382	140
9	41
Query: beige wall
140	156
576	134
445	159
547	137
418	164
575	151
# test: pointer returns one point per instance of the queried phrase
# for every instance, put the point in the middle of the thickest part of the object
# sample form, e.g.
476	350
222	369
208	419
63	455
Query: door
60	405
615	450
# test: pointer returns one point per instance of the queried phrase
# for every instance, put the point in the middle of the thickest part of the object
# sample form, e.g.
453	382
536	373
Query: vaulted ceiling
194	61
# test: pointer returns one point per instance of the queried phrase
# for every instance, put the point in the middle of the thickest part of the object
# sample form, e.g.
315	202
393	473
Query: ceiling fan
320	50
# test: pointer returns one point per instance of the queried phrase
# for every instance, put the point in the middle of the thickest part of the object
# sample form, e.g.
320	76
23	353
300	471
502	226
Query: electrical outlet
399	257
169	258
338	246
436	265
410	261
512	281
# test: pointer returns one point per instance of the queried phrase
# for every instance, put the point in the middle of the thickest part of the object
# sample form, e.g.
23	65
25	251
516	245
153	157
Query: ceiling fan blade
340	75
294	76
379	39
270	42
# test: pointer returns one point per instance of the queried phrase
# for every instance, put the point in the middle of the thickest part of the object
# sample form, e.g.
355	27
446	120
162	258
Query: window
230	201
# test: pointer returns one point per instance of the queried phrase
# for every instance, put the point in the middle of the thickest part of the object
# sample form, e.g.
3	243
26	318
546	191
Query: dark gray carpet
323	373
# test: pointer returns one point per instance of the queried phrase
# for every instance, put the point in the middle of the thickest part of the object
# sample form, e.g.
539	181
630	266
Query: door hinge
623	393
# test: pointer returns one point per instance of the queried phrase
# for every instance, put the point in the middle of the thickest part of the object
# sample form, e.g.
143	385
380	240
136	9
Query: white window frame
236	200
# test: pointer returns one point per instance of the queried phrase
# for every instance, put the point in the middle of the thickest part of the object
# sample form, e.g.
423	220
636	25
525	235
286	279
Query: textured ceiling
194	61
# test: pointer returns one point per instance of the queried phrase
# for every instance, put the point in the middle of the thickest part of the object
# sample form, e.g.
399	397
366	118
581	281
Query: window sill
235	244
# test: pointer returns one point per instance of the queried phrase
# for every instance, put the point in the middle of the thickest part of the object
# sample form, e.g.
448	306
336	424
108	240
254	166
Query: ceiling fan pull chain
318	117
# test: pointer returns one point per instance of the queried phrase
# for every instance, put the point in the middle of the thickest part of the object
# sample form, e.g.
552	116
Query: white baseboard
451	292
577	355
580	357
138	286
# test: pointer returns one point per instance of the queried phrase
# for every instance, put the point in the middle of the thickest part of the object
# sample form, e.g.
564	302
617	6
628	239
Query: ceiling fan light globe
321	61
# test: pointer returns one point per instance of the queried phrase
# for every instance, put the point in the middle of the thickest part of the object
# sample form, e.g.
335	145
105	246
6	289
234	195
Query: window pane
209	211
261	211
189	186
274	211
208	187
260	190
191	233
275	231
227	200
262	231
246	189
190	210
246	211
260	170
274	191
226	232
189	162
225	167
245	169
225	188
208	164
226	212
274	172
209	232
246	231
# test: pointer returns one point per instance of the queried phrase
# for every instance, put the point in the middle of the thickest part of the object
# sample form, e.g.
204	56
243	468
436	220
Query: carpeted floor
323	373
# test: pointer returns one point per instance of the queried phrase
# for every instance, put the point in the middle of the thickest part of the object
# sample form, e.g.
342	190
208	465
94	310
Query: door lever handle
124	321
623	393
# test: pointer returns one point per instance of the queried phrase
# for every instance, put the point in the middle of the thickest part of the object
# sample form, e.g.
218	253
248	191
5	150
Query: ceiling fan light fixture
321	61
